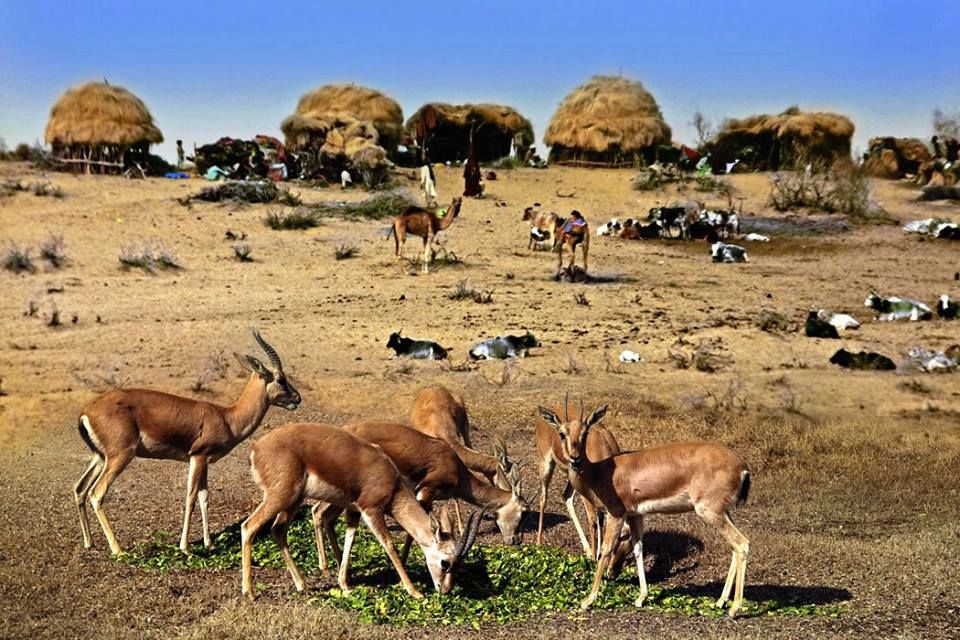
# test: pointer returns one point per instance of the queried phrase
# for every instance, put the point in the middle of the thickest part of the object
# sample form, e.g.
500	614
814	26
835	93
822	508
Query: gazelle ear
549	417
249	363
596	416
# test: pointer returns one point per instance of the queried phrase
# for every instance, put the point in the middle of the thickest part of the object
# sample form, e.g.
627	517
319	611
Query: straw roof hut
770	142
607	121
333	105
448	128
102	127
893	158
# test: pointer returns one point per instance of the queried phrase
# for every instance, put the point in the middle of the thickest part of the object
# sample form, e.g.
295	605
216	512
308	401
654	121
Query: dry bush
731	399
243	252
574	367
54	251
464	291
149	255
18	259
773	321
52	317
509	372
581	299
818	188
214	368
346	251
105	378
707	355
43	188
299	218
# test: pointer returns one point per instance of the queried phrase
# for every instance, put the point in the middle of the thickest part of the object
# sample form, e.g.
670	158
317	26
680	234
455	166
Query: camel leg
560	258
112	468
427	250
80	492
399	237
375	521
586	250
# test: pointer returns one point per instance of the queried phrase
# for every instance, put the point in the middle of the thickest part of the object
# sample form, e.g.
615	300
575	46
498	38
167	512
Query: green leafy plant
496	585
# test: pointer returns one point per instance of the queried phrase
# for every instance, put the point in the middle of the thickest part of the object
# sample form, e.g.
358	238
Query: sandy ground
856	489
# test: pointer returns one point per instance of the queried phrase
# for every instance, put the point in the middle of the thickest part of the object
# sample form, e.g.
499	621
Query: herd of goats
369	470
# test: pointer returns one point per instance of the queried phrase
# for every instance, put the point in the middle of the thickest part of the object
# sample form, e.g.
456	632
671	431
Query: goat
503	347
668	217
418	349
610	228
895	308
946	309
817	328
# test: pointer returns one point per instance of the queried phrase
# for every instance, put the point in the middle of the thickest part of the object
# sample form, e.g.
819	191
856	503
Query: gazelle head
443	556
279	390
573	432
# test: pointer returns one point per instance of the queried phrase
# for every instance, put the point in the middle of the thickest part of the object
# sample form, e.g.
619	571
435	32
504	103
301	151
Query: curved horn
472	533
581	410
566	406
461	549
270	351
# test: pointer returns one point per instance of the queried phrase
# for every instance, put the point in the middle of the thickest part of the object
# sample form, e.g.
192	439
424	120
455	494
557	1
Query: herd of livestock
372	469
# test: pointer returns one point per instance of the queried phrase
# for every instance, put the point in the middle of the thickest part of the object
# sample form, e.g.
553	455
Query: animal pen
101	128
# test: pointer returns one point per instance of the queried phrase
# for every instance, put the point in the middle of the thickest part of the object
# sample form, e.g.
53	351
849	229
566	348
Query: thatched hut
344	126
771	142
333	105
607	121
445	129
101	127
894	158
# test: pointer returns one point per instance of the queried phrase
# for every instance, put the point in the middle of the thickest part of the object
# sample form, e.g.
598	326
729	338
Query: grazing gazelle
705	477
327	464
418	221
551	454
124	424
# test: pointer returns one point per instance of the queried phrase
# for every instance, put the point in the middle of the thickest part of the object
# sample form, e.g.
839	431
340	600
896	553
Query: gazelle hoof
639	601
586	604
733	611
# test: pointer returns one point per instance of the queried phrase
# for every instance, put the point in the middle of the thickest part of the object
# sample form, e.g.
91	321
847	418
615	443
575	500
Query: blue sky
212	68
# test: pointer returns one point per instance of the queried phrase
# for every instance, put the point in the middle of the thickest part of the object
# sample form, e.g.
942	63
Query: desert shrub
707	355
299	218
10	187
465	291
43	188
17	259
946	125
714	184
844	191
54	251
345	251
264	191
774	322
383	205
507	162
243	252
581	299
149	256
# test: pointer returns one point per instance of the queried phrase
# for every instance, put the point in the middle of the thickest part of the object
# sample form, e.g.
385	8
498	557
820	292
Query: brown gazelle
424	223
573	233
325	463
550	455
707	478
441	414
124	424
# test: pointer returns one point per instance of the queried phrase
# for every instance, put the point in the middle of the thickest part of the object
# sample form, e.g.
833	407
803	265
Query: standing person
180	155
428	184
471	173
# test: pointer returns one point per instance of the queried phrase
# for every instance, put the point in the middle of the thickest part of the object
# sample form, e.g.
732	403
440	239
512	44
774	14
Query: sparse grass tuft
574	367
43	188
581	299
18	259
299	218
214	368
707	355
52	317
346	251
149	256
464	291
54	251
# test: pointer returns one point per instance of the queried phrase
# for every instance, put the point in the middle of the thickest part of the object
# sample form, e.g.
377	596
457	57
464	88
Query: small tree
703	127
946	125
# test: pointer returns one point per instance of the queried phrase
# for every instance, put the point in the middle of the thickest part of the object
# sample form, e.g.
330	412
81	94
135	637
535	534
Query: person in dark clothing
471	176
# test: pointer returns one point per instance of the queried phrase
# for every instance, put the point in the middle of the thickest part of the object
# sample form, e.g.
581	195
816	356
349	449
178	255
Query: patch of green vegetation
379	207
497	584
299	218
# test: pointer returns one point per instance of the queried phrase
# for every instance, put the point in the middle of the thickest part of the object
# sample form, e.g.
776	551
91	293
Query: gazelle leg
377	524
266	511
202	500
728	583
405	550
569	497
197	465
280	525
352	519
546	474
112	468
741	549
636	534
610	538
80	492
593	527
319	513
329	526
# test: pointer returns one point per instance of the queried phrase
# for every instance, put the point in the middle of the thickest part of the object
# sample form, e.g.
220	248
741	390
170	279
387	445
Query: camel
574	232
422	222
